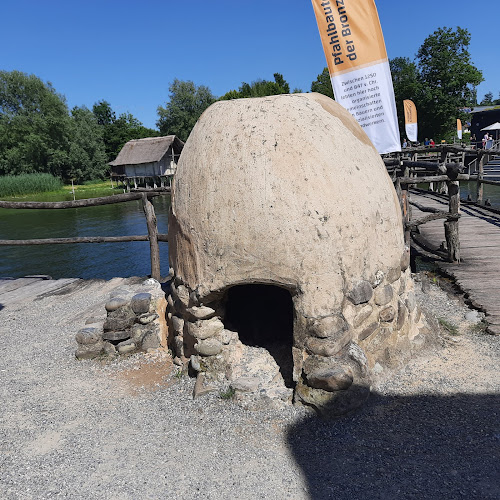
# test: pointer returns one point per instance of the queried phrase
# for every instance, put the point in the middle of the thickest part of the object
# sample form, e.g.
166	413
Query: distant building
483	116
152	158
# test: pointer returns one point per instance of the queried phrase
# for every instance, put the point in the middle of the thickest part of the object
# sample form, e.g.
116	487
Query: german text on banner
359	69
411	126
459	129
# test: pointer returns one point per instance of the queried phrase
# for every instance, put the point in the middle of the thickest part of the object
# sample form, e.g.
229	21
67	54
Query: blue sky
129	52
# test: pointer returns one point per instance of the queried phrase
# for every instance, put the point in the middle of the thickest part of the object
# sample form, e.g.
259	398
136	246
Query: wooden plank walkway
478	273
16	293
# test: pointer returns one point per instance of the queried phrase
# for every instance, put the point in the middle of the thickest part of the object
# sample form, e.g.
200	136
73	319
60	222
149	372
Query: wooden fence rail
153	237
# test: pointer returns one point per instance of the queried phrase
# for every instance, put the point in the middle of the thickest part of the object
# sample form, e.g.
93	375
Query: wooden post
480	175
451	226
149	212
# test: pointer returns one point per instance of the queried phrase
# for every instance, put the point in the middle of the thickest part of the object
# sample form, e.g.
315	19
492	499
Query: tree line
38	133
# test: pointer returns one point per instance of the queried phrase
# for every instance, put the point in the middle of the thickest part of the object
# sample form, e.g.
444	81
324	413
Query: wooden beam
431	178
91	202
85	239
431	217
149	212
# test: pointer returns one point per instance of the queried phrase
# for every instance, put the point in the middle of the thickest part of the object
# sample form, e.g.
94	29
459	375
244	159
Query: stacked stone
197	331
133	323
336	358
379	328
217	356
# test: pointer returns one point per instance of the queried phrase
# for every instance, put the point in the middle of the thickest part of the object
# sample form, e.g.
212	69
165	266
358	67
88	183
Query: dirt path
131	430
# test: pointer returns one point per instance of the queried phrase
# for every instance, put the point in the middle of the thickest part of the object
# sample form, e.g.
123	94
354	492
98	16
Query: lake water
84	260
101	260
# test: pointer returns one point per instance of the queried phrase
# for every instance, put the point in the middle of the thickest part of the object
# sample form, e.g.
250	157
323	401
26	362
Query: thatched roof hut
152	156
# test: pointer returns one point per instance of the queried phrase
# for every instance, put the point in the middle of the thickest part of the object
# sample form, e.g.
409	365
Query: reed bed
16	185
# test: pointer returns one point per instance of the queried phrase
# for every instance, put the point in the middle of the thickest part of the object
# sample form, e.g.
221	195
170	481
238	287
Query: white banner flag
359	69
411	126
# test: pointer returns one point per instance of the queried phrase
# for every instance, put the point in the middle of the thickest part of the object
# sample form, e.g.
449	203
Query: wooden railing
153	237
439	166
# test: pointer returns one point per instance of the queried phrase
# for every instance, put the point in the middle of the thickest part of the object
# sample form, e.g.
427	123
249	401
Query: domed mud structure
291	277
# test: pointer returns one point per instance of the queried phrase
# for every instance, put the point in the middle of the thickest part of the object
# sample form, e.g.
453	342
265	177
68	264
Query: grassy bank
65	193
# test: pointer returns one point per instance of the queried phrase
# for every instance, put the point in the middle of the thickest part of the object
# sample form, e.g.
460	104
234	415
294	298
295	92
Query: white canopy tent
493	126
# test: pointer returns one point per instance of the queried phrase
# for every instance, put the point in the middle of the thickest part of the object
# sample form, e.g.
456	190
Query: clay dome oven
291	275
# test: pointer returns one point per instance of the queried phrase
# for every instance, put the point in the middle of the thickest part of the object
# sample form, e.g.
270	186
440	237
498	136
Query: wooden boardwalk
19	292
478	273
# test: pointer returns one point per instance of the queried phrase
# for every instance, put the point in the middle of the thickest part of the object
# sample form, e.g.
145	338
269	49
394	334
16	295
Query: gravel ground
130	429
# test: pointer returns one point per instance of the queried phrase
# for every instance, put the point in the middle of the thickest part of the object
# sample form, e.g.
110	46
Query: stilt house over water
151	159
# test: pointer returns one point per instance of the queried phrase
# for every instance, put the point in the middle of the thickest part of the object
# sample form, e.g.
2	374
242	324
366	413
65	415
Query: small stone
393	275
411	301
387	315
202	312
119	335
204	329
193	299
402	315
109	349
88	336
227	336
245	384
178	325
426	286
378	368
329	326
179	346
200	389
336	378
121	319
473	317
362	292
369	330
151	341
138	332
405	259
126	346
384	295
170	302
195	363
362	315
327	347
115	303
89	351
208	347
177	361
140	302
357	354
180	293
147	318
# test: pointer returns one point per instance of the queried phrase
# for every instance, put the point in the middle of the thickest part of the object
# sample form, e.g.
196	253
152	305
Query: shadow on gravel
421	447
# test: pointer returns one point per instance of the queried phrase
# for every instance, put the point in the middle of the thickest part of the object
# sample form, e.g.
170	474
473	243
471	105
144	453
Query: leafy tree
259	88
487	100
103	113
87	156
407	85
323	84
448	80
186	104
117	131
35	126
